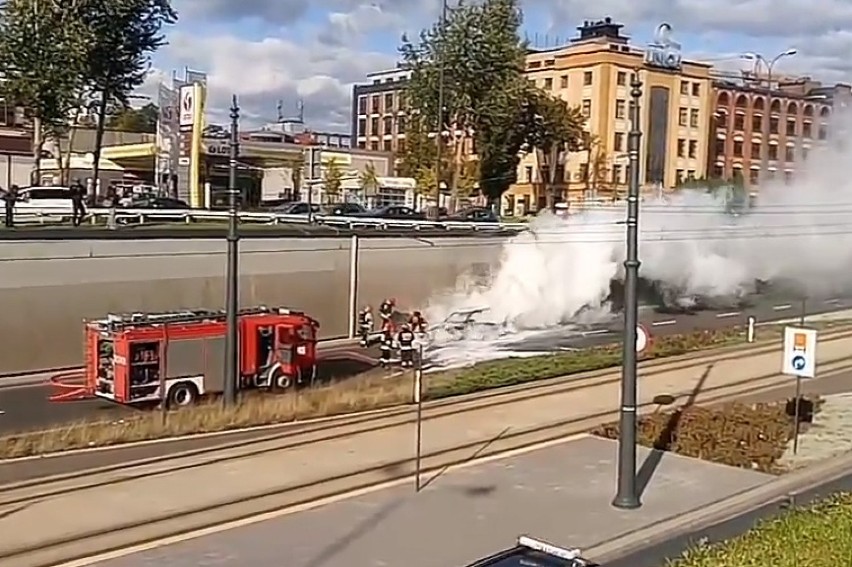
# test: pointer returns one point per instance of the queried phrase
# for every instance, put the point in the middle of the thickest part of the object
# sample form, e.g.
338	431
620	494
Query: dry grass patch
371	392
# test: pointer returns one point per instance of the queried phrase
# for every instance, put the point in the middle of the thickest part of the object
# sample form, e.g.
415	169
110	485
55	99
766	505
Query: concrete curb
782	490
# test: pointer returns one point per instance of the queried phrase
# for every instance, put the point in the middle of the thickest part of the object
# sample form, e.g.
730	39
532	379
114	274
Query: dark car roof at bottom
523	557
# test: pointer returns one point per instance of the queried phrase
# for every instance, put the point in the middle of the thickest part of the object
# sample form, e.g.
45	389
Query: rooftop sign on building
663	52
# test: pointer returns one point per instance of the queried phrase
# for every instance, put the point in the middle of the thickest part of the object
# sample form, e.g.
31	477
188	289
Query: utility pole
232	368
767	112
627	496
439	135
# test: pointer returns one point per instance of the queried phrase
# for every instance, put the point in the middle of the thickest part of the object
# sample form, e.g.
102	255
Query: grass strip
372	390
815	536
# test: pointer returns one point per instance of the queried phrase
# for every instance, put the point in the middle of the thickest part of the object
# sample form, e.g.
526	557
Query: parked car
159	203
344	209
395	212
531	552
297	208
474	214
53	201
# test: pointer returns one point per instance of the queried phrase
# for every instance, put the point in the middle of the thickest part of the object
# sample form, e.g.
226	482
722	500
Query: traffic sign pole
797	414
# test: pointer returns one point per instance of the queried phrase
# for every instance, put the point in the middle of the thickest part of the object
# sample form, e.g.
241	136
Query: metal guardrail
97	216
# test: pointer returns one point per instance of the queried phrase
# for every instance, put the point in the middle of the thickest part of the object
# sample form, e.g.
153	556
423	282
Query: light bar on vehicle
549	549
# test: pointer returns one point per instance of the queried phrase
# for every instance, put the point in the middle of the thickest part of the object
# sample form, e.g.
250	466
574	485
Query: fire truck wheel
182	394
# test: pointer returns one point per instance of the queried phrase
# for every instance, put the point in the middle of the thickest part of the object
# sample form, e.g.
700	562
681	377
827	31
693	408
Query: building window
362	126
387	126
823	132
684	87
757	123
548	84
681	148
400	125
678	176
374	145
387	145
389	102
807	130
683	117
791	127
362	145
789	154
773	125
563	82
773	152
722	120
618	142
587	78
616	174
374	126
584	171
753	175
696	89
690	175
529	171
718	171
739	122
693	149
374	103
720	148
400	145
738	149
621	78
755	150
693	118
362	105
587	107
620	109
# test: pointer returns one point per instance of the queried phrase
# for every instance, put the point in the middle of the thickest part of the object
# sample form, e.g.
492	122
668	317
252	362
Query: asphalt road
28	407
59	464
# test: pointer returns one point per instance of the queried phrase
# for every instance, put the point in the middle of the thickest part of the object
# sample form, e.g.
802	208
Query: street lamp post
439	134
764	125
627	496
232	275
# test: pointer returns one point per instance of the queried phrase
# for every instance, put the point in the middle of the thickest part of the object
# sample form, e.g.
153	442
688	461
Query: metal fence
98	216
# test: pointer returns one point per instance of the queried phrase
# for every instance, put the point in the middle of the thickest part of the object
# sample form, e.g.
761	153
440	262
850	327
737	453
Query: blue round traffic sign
799	362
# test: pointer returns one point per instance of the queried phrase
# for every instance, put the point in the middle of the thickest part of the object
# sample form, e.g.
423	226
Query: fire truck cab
179	357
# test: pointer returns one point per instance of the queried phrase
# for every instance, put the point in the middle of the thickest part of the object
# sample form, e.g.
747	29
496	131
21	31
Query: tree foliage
332	179
369	179
129	119
477	56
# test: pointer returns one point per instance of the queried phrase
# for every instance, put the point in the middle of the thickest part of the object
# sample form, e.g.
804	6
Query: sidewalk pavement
39	519
560	494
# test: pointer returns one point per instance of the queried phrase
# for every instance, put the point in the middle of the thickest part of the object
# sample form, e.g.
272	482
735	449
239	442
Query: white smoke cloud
799	232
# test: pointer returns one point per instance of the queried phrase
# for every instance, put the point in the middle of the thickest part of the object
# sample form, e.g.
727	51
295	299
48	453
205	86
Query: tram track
357	424
225	510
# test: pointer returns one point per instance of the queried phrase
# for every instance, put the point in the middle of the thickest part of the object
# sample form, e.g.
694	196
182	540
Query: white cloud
322	71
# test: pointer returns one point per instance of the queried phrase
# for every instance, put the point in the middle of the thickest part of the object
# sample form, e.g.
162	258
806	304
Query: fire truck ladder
122	321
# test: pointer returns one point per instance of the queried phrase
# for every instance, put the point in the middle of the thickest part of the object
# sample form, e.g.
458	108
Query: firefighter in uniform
386	311
365	325
405	340
417	322
386	345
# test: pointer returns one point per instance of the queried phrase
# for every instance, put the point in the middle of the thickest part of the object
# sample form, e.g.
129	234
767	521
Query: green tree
126	34
369	179
332	180
43	50
417	161
129	119
477	56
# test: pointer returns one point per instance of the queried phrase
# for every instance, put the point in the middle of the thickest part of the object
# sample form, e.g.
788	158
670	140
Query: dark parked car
345	209
474	214
533	553
297	208
395	212
159	203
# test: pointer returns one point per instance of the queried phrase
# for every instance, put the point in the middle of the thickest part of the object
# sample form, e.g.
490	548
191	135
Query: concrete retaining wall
48	288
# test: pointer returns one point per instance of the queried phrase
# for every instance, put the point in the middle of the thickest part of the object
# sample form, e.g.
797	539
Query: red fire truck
180	356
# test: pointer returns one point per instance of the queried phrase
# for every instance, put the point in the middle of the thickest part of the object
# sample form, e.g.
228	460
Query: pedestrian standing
78	196
10	198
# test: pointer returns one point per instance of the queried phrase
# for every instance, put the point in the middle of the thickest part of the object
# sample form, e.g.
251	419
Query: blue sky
290	49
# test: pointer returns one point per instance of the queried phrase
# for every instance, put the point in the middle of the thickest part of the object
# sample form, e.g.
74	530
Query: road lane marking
664	323
833	301
730	314
784	307
596	332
